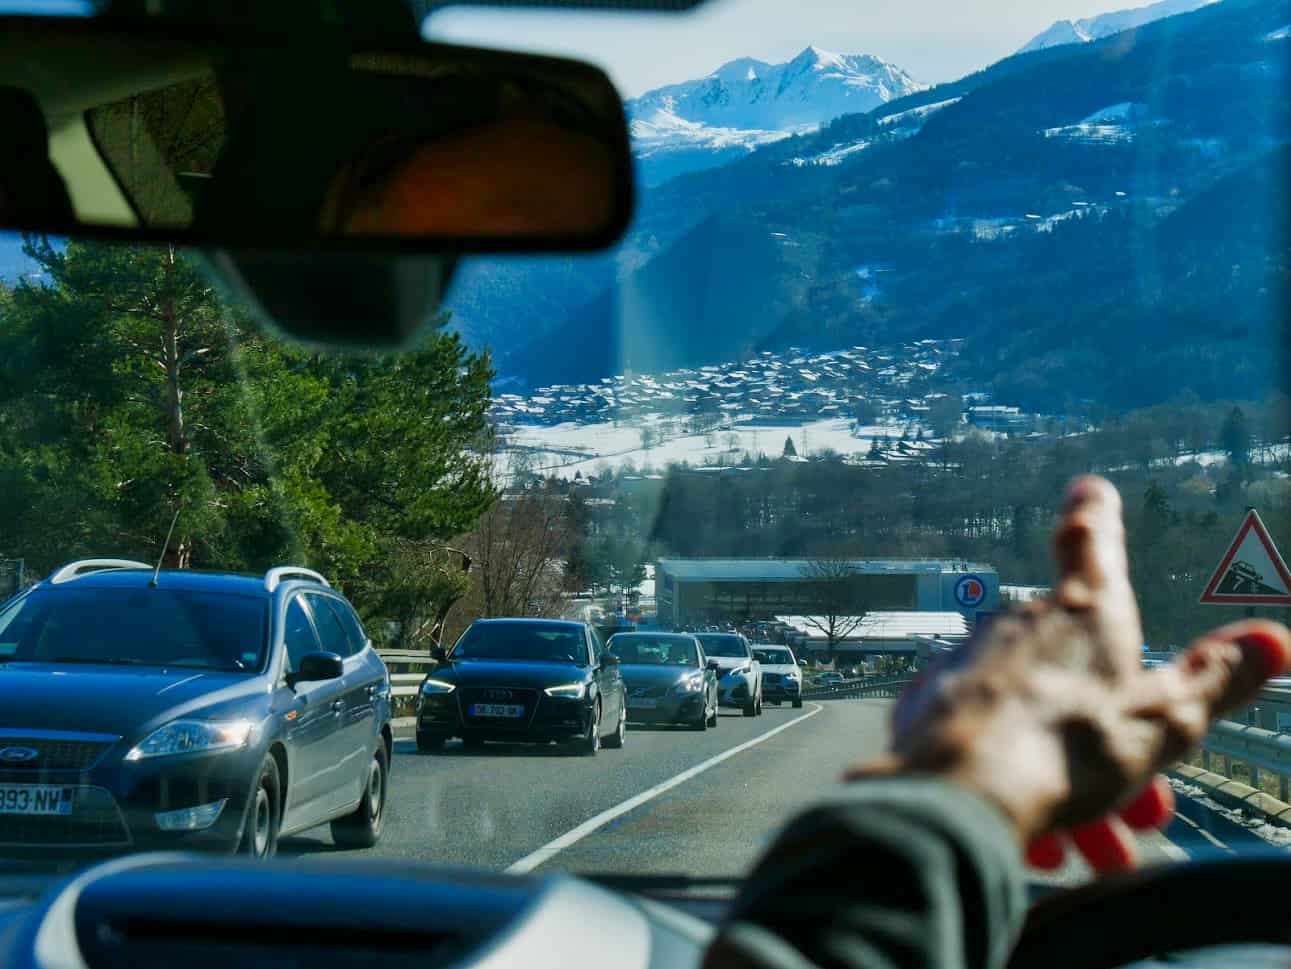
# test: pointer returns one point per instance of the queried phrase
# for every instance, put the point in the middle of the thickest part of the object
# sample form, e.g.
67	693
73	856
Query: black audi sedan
668	679
524	681
187	710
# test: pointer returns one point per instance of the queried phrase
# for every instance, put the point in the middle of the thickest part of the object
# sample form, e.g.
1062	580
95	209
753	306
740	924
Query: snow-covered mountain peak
747	102
1104	25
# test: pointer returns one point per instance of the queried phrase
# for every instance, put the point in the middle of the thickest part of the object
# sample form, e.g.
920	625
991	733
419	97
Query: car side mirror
802	663
609	659
713	665
439	654
319	666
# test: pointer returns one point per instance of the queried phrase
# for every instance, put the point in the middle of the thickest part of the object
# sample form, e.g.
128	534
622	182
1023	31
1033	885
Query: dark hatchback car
524	681
668	679
187	710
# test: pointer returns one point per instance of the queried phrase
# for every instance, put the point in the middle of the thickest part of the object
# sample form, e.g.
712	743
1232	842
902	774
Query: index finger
1093	573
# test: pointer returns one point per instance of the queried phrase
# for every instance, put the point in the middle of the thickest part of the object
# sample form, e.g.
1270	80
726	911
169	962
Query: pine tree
1235	437
789	450
129	390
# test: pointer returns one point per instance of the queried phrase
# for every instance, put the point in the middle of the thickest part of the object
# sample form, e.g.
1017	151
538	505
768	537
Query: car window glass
331	633
654	650
350	623
544	643
298	634
725	644
145	627
15	623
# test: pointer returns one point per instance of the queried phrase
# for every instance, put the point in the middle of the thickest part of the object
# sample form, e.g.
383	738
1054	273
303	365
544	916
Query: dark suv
187	710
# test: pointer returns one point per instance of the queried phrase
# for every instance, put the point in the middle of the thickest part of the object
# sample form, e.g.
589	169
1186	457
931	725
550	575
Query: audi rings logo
18	755
488	695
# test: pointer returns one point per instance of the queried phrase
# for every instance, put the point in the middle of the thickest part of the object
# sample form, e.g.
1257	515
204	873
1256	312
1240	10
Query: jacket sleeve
895	873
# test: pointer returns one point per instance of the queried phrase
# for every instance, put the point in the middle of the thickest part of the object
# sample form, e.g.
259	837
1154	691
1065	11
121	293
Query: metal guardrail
408	667
888	686
1257	748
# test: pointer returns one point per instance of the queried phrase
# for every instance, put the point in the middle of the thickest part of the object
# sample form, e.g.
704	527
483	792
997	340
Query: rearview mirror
167	132
439	654
319	666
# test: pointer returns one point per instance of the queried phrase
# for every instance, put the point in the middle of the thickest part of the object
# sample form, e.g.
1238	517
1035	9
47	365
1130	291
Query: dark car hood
110	699
510	673
648	674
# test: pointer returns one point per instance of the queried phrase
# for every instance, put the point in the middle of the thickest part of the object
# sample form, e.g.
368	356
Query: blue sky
934	40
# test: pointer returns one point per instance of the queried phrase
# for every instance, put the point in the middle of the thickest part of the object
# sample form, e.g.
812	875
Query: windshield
520	641
774	657
896	274
723	645
655	650
143	627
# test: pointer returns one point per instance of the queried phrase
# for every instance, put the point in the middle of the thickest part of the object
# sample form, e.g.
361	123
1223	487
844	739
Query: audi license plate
511	710
642	703
35	799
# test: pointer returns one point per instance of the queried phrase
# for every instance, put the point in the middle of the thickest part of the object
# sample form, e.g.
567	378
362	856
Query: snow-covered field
567	449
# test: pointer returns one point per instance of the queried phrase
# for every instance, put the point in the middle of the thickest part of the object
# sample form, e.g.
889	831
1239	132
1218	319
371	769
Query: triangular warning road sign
1251	573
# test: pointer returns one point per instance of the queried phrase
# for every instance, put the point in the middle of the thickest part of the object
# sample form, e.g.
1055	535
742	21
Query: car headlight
193	736
689	684
434	687
568	691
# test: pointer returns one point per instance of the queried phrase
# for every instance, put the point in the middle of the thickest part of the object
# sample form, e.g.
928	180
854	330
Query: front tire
751	708
797	704
700	724
615	740
362	829
757	710
429	745
588	744
264	818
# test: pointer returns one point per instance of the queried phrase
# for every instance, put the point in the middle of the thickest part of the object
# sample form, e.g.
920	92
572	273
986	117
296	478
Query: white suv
739	673
781	677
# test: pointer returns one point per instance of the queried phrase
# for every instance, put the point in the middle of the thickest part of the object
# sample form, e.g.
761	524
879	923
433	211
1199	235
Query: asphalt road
670	802
497	807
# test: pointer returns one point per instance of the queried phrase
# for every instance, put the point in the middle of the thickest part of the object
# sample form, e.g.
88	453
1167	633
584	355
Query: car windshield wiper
114	661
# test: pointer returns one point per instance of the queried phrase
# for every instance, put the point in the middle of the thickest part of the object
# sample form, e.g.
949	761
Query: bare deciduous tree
832	591
518	552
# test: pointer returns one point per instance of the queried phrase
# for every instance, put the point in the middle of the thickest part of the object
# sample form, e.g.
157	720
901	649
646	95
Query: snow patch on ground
834	156
1275	835
565	450
919	114
1113	124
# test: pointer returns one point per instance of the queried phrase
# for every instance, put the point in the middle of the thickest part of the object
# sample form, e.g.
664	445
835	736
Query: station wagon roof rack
74	570
282	573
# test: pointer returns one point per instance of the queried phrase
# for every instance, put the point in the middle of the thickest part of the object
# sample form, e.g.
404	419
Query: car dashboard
166	910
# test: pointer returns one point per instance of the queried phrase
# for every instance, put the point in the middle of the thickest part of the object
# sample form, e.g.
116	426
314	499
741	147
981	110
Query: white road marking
1202	831
571	837
1159	842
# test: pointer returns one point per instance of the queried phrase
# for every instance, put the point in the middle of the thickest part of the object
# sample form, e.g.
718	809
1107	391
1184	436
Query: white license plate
35	799
497	710
642	703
